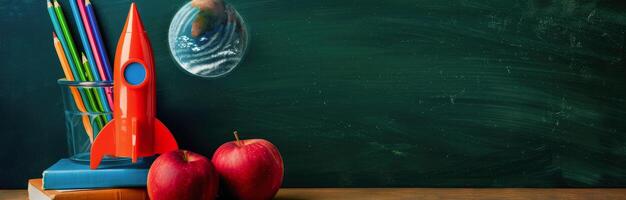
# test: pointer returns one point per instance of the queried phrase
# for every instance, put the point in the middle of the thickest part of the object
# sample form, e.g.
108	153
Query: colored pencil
70	77
98	37
59	32
85	41
92	41
97	45
64	64
70	42
99	97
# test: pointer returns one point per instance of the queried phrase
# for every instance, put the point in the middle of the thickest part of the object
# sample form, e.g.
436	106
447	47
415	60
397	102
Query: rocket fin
163	139
103	145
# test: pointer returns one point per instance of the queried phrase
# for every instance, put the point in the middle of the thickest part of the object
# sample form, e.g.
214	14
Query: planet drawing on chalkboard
208	38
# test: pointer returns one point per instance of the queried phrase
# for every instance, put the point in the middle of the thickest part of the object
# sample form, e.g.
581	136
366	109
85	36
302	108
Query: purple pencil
93	23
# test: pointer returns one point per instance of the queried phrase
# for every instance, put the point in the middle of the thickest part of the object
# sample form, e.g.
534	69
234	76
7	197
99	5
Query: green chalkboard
367	93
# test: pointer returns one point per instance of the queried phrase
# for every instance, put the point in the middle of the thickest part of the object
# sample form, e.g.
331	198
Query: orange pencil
70	77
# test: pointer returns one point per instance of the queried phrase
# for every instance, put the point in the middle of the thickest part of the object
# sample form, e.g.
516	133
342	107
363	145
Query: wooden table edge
422	193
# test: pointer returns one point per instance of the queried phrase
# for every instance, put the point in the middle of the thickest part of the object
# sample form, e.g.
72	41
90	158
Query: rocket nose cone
133	21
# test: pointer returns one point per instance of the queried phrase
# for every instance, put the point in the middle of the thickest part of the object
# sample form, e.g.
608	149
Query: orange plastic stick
75	94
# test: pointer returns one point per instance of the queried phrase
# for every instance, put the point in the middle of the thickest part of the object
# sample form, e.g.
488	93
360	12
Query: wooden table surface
418	193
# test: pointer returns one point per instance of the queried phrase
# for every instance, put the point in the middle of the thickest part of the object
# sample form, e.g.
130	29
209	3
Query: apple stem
236	137
185	156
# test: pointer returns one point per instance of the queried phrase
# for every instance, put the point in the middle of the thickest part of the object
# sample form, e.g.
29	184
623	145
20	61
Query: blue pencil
92	71
59	32
84	40
98	38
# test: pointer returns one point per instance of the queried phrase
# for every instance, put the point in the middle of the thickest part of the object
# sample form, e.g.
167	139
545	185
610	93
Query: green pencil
100	120
70	41
86	64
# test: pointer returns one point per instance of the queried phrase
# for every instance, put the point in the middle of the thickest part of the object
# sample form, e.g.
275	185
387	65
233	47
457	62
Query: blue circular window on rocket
135	73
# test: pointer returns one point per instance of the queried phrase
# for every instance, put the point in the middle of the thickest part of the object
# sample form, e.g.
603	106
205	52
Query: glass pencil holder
88	107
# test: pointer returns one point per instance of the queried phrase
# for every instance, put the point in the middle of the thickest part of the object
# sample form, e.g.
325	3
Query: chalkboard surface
366	93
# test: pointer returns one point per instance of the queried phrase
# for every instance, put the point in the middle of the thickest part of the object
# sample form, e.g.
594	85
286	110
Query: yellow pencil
68	75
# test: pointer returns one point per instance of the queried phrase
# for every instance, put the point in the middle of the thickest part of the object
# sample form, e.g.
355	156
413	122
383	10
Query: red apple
182	175
249	169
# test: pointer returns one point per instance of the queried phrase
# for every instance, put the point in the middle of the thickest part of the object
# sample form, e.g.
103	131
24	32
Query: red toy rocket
134	131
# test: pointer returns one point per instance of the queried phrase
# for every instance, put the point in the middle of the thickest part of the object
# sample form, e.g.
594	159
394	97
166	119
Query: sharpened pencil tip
84	57
49	4
55	38
87	2
56	4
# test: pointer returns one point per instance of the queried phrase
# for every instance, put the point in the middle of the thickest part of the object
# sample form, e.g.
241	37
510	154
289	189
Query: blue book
67	174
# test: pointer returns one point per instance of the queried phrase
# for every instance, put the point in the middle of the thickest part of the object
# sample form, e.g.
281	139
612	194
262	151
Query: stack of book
71	180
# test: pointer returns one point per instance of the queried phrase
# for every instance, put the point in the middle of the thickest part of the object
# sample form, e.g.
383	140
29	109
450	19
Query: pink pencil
92	41
94	47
